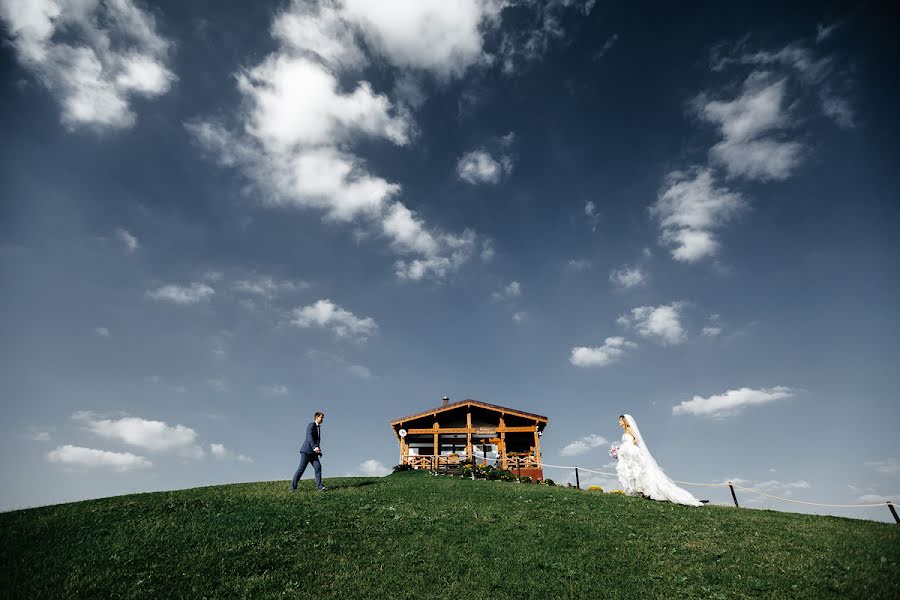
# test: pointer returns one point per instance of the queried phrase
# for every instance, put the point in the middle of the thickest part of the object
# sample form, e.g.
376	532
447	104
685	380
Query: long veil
664	483
637	432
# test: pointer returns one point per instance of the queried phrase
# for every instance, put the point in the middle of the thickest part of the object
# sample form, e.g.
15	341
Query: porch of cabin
453	434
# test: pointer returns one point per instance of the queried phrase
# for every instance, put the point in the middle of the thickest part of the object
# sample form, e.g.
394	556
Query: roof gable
470	402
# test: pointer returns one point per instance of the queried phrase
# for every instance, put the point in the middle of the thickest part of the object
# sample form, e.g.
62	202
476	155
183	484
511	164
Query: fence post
893	512
577	481
733	497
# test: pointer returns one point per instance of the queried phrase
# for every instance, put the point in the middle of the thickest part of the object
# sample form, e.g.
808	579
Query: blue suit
309	455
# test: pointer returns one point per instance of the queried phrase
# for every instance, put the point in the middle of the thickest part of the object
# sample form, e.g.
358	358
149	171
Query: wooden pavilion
453	432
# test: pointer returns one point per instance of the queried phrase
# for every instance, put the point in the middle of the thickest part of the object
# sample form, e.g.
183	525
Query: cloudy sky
219	217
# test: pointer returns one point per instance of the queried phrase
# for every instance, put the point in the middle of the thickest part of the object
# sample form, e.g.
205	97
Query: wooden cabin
453	432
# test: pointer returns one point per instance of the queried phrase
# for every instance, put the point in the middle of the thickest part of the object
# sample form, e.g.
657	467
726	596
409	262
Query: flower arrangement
595	488
614	451
617	492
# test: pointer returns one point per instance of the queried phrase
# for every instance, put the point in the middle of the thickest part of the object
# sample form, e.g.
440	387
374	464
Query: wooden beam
424	430
537	445
437	426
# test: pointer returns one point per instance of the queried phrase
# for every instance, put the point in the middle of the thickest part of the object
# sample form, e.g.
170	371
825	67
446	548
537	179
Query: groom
310	452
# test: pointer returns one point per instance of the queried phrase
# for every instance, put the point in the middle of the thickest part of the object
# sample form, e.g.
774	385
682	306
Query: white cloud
659	323
711	331
511	291
627	277
296	134
443	38
689	207
756	125
220	452
93	56
128	239
731	402
478	166
324	313
823	32
611	350
179	294
77	456
583	445
889	465
101	331
150	435
267	287
520	317
590	212
520	45
373	468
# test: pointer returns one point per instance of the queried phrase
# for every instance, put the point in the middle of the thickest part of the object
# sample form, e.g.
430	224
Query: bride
638	472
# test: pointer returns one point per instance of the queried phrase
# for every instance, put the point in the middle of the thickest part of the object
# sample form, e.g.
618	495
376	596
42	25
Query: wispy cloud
78	456
690	206
593	217
179	294
478	166
511	291
583	445
627	277
274	389
889	465
612	349
94	57
101	331
325	313
752	127
131	242
267	287
220	452
731	402
661	324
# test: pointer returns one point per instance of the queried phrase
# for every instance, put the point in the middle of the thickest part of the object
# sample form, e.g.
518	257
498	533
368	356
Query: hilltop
411	535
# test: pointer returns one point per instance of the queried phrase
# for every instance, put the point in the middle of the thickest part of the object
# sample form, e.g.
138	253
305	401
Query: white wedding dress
639	474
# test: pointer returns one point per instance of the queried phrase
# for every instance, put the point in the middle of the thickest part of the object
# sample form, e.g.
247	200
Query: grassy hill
411	535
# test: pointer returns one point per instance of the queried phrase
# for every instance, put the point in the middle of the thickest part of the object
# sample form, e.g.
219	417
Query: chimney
445	401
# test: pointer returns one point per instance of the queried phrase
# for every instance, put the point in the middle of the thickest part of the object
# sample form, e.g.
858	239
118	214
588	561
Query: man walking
310	452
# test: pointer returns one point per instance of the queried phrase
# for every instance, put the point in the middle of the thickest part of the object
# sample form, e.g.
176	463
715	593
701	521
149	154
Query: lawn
412	535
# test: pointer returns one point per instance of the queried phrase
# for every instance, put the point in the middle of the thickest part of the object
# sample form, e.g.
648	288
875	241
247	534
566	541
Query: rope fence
731	485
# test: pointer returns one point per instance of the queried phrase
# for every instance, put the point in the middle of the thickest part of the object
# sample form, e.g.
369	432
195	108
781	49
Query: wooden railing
430	461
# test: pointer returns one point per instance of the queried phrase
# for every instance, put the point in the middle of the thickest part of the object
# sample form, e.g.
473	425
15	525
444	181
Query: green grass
415	536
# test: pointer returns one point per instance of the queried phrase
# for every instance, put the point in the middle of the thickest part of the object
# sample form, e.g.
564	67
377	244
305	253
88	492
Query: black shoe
322	489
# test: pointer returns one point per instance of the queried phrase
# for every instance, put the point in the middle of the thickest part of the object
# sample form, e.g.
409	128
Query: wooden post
893	512
537	446
577	481
502	445
733	496
436	446
469	437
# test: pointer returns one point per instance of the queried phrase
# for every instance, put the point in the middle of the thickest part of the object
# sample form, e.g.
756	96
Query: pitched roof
469	402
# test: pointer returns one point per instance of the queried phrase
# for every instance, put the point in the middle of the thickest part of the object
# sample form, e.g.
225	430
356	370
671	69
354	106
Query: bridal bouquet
614	451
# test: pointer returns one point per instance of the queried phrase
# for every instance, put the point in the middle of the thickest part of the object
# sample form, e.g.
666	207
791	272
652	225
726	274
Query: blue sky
216	219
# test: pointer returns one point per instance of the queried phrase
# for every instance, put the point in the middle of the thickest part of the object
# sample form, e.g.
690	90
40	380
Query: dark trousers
306	459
